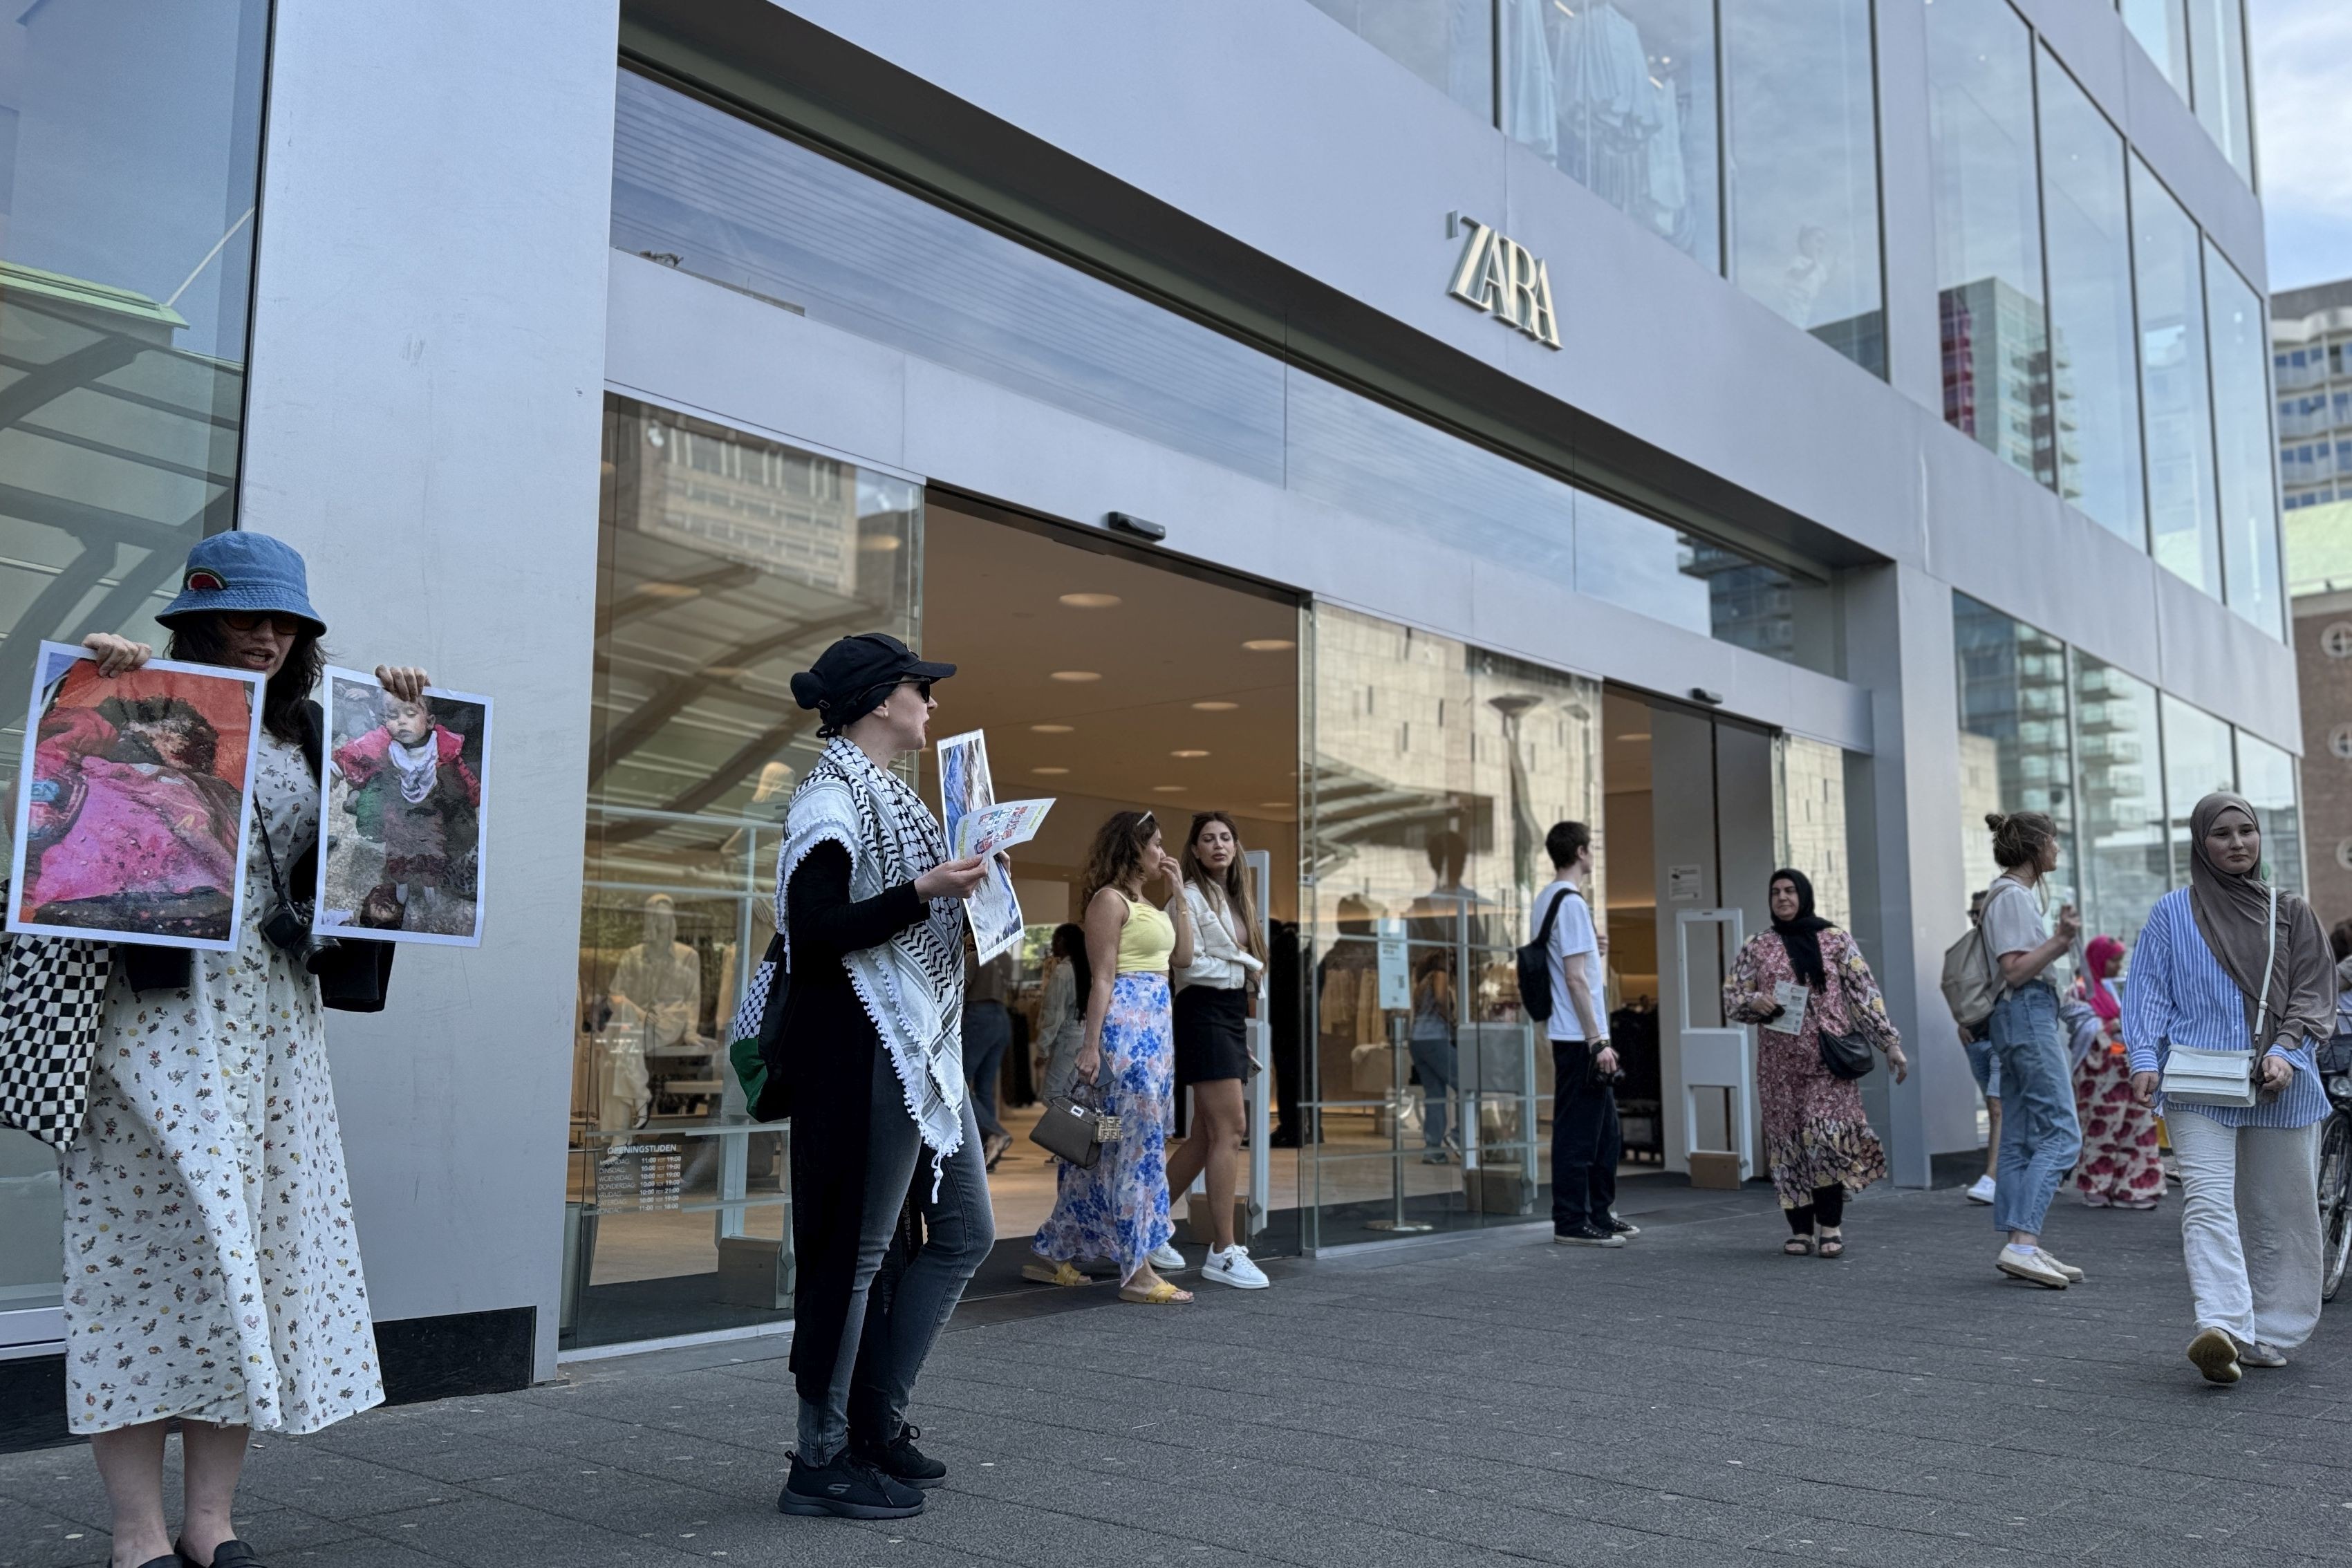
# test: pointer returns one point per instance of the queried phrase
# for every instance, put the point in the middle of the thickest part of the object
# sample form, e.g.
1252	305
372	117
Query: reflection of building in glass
1997	374
1812	826
2117	763
1749	606
2319	585
2311	366
783	512
2013	690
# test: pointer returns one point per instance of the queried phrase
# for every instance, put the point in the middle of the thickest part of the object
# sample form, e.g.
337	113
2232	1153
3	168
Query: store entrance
1693	838
1109	679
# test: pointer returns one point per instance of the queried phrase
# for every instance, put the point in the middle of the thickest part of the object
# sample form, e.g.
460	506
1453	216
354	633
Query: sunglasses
250	620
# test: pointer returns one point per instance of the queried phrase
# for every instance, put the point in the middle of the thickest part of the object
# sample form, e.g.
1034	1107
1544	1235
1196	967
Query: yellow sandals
1164	1294
1042	1272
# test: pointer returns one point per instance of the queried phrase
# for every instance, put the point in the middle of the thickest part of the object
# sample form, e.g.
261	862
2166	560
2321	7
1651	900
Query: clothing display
212	1269
662	978
1061	1030
1585	87
1816	1133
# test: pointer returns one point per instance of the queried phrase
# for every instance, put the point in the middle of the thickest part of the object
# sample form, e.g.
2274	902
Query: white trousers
2250	1227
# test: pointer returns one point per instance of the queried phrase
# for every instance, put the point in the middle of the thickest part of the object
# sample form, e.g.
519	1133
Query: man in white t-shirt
1586	1141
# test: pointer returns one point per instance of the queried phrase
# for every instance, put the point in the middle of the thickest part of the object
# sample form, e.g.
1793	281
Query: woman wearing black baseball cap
869	1065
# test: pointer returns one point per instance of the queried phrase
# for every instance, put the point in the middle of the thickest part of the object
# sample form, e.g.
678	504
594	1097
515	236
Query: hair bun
1993	819
807	690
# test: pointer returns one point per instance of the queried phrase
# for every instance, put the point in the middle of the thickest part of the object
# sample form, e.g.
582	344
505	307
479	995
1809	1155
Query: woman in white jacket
1214	1001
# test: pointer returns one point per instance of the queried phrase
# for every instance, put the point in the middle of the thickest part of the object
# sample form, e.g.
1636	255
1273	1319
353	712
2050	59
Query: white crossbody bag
2222	1078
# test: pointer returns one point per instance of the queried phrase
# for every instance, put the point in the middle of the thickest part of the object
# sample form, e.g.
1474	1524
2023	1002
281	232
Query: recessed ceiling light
1053	771
1051	729
1269	645
1168	789
1188	753
1277	804
670	591
878	543
723	672
1643	736
1214	707
1090	601
1077	675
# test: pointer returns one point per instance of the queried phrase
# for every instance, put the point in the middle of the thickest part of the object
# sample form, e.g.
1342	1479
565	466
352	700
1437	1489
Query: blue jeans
2040	1137
1432	1054
987	1030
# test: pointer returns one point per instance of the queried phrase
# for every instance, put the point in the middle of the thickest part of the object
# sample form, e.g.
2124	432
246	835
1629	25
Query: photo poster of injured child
135	803
965	787
404	820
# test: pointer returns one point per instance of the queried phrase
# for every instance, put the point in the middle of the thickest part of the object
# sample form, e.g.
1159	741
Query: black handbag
1074	1129
1847	1057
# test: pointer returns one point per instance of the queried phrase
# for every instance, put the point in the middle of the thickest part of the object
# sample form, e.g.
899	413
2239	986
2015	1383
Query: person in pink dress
2120	1167
128	825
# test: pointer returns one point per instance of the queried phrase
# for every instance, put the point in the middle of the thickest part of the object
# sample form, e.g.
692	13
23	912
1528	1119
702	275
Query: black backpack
1535	964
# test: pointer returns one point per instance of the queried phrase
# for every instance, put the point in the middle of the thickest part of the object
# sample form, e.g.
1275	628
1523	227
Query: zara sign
1496	276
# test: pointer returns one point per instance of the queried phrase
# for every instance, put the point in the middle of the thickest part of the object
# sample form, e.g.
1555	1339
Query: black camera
288	929
1610	1078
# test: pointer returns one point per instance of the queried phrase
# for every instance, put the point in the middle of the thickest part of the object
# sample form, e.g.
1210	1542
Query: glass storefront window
2093	367
1449	44
1810	822
725	562
1436	770
2216	63
1620	94
1989	232
1800	113
2243	444
129	156
2267	777
701	190
2197	760
2013	735
2162	28
2167	263
2119	806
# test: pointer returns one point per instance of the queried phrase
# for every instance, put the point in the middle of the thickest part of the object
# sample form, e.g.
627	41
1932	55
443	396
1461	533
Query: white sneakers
2035	1265
1233	1266
1981	1193
1165	1256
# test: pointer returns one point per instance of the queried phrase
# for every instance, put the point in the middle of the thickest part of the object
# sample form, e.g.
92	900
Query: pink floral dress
1815	1134
2122	1165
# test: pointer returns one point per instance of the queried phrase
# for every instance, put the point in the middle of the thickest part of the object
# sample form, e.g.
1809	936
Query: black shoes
1587	1235
227	1554
901	1461
1616	1226
848	1488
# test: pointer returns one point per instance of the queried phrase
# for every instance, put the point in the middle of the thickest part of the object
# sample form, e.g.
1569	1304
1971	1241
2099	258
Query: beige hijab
2233	913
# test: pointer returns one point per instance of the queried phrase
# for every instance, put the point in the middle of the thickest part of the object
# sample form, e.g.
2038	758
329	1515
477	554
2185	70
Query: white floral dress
212	1269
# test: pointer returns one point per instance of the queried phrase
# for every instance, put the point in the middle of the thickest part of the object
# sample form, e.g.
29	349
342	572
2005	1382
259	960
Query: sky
2302	106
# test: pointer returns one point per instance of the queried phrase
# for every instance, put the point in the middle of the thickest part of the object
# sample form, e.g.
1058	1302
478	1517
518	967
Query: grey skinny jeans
959	1229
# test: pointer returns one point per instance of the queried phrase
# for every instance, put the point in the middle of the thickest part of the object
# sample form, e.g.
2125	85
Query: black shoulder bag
1535	965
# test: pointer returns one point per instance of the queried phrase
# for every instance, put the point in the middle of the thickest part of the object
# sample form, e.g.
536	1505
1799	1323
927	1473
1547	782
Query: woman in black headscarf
2237	970
1816	1139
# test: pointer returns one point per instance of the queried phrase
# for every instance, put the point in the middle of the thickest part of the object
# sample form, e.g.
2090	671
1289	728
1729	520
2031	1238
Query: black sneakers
1587	1235
848	1488
1616	1226
901	1461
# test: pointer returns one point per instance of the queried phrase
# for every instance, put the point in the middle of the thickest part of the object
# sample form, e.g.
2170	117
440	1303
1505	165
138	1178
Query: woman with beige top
1118	1209
1214	996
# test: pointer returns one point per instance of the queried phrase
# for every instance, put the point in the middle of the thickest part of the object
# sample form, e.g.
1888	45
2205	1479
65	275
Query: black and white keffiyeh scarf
912	985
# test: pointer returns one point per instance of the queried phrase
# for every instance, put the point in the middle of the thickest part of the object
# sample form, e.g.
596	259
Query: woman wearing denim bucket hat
212	1274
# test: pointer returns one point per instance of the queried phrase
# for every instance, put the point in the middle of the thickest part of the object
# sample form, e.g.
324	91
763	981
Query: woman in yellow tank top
1119	1210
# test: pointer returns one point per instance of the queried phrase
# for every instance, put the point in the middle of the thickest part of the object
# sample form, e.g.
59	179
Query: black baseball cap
853	676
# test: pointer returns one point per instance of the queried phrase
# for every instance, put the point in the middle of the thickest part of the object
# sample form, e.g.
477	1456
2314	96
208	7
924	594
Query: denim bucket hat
241	571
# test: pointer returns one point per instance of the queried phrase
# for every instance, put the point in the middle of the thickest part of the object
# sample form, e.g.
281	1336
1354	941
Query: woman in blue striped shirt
2228	964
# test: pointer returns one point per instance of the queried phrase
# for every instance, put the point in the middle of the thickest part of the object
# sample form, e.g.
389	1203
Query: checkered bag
51	991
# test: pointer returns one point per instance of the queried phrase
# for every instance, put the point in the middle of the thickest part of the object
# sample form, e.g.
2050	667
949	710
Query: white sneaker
2032	1264
2073	1275
1165	1256
1982	1192
1233	1267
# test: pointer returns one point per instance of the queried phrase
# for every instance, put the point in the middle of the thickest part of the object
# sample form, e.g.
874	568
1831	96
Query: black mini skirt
1212	1041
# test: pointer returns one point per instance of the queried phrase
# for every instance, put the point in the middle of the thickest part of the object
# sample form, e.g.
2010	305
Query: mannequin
657	995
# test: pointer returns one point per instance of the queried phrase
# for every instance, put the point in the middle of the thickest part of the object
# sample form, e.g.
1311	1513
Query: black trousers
1827	1209
1586	1141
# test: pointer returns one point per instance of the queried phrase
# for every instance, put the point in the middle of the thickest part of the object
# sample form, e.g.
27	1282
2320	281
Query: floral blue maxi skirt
1119	1210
